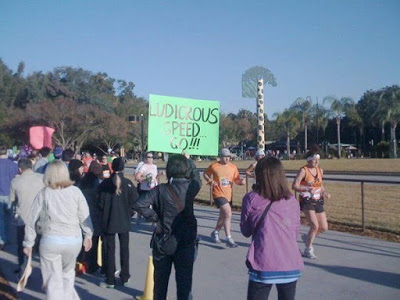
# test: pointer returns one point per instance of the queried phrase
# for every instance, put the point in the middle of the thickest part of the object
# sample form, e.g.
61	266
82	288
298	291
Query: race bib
224	182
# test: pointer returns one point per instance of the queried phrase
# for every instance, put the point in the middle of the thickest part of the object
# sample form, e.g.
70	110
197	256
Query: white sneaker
215	237
231	243
309	253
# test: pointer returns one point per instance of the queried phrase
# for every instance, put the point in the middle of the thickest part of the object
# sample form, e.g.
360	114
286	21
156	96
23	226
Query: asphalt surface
348	267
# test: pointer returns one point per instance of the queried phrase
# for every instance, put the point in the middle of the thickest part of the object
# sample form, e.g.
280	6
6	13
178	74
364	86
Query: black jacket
158	205
116	209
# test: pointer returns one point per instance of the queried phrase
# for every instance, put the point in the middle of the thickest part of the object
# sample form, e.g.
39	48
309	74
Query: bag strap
175	197
262	218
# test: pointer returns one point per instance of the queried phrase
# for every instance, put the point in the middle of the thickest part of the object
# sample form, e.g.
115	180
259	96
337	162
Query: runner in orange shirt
312	194
221	175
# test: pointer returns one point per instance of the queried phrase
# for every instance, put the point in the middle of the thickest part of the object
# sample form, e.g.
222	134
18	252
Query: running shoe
103	284
125	283
309	253
215	237
231	243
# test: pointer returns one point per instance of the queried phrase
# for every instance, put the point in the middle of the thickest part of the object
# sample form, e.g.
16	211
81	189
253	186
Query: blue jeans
5	218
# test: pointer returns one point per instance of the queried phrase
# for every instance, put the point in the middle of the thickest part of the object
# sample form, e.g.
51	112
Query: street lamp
142	135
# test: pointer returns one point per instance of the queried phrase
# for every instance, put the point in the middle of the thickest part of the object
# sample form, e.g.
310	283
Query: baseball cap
260	152
58	152
225	152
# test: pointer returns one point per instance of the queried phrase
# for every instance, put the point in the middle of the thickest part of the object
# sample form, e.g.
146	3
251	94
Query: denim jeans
5	218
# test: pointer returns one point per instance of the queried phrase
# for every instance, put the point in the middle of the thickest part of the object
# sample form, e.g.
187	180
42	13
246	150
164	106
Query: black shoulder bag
167	244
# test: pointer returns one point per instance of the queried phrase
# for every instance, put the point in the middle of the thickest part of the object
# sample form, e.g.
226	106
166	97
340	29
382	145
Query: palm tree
303	107
389	107
319	116
355	119
337	111
289	124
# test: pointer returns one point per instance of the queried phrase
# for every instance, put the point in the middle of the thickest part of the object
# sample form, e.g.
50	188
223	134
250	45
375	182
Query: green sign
181	124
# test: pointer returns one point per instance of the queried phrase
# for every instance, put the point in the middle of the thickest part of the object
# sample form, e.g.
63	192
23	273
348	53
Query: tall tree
337	111
289	123
389	106
112	130
319	117
227	131
355	120
73	123
303	108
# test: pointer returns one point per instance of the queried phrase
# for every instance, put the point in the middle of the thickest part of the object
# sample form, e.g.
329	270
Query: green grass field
361	165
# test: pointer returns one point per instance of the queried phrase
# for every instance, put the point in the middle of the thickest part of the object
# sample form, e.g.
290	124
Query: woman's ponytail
116	179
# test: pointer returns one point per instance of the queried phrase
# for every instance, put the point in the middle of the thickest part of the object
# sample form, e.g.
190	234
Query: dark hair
45	151
118	164
67	155
24	164
89	180
314	149
271	179
177	166
3	150
73	169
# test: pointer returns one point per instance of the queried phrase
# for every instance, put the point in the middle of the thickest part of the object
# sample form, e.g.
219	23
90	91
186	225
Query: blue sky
200	49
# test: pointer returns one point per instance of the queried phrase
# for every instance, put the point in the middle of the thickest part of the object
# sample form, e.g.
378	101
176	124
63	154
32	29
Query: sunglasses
149	156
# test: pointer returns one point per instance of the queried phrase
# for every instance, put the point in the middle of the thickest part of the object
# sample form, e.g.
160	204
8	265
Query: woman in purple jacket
273	256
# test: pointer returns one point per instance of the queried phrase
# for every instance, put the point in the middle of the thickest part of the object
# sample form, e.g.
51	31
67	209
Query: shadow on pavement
377	277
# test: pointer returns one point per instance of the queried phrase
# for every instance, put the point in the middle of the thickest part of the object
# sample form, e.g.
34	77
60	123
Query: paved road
348	267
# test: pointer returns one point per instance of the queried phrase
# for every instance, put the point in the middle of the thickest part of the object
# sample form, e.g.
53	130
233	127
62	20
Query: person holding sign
221	175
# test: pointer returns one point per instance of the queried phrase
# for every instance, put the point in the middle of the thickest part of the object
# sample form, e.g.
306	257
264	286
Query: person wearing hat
250	170
117	195
221	175
58	152
308	183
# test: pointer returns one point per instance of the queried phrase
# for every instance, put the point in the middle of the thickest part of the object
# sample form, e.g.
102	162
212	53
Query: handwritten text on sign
177	124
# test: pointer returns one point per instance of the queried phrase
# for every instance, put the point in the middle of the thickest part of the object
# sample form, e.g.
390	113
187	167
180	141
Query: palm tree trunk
338	137
393	142
288	145
305	138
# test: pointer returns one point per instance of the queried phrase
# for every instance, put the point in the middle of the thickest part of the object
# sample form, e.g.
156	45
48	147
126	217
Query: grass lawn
362	165
382	205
